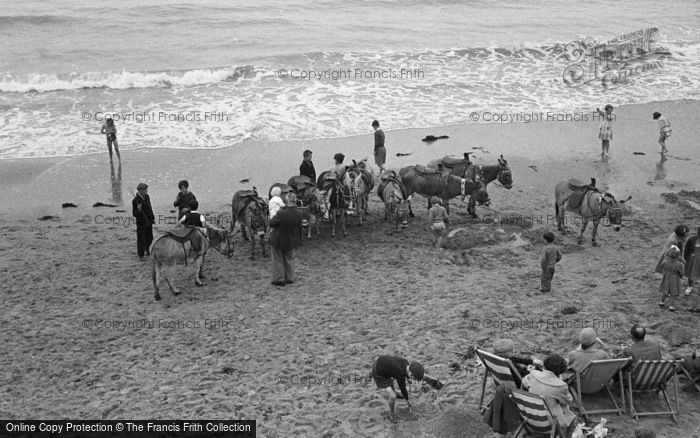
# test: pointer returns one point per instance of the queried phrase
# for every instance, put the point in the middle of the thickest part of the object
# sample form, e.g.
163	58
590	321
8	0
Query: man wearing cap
587	351
642	349
284	240
143	212
386	370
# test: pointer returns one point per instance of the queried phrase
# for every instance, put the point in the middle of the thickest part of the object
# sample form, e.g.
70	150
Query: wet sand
85	339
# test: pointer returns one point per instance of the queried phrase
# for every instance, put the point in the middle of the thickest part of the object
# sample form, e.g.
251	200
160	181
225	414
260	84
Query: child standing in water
605	134
664	130
672	269
111	131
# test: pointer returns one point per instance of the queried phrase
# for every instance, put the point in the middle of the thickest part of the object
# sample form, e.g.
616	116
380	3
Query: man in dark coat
284	240
143	212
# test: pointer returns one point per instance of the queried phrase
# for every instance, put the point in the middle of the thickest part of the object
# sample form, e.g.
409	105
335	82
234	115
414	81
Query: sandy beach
83	337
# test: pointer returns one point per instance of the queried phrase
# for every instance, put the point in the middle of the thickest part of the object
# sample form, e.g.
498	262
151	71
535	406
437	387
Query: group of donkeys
333	197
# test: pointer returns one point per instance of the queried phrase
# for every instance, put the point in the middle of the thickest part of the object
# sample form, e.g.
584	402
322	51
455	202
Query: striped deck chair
653	376
501	370
595	378
536	417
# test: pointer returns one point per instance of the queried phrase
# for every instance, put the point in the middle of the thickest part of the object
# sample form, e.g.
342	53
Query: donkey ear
628	198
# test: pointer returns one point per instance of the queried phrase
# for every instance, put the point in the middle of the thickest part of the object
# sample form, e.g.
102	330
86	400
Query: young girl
437	220
670	286
111	131
605	134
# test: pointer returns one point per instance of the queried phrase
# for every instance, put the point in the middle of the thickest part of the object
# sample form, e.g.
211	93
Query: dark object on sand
477	147
228	370
638	153
471	352
432	138
435	383
244	180
172	211
400	154
68	204
120	211
47	218
100	204
569	310
533	167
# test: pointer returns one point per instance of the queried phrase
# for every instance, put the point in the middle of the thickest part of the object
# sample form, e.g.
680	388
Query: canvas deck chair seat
537	418
501	370
653	376
596	377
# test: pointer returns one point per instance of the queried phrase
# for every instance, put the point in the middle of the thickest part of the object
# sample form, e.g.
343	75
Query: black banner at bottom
129	428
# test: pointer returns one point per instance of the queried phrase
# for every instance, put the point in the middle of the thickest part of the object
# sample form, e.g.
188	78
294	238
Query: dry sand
83	337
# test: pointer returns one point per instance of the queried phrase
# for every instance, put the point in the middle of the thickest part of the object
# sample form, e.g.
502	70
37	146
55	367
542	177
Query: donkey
589	203
392	192
360	183
429	182
252	212
337	196
182	244
487	174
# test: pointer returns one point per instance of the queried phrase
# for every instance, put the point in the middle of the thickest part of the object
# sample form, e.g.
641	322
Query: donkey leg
594	237
334	220
200	274
262	245
342	223
583	229
244	230
198	270
169	274
252	245
471	207
446	202
155	273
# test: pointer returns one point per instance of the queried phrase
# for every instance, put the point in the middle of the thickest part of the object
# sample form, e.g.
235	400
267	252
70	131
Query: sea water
207	74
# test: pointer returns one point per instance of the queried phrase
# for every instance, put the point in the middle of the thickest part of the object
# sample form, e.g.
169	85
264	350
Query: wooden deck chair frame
591	377
692	381
655	374
492	365
542	409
